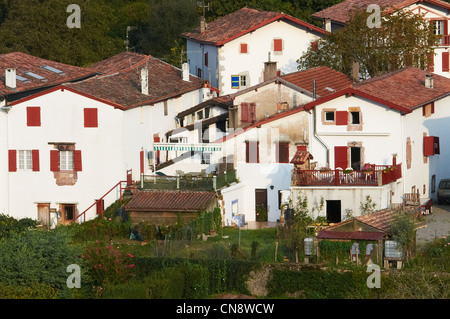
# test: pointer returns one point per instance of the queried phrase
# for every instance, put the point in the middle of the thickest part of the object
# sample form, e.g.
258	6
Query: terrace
371	175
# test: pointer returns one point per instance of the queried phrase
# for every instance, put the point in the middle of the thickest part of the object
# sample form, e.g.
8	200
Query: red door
340	157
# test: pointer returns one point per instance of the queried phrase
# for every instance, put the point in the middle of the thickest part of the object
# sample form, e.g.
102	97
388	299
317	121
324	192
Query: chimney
328	24
270	70
144	81
355	71
429	81
202	24
185	72
10	78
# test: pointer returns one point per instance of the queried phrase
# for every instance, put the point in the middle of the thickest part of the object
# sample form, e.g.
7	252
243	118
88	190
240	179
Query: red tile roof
120	81
341	11
403	90
23	62
300	157
170	201
327	80
240	22
380	219
347	235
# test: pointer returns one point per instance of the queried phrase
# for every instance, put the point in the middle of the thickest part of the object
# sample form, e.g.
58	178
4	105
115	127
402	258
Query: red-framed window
23	160
66	161
33	116
90	117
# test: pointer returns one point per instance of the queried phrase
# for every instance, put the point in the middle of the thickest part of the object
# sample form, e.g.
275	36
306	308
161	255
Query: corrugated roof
34	73
241	22
170	201
120	80
341	11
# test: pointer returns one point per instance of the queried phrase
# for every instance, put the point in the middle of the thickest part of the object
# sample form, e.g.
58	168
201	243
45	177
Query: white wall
4	193
62	121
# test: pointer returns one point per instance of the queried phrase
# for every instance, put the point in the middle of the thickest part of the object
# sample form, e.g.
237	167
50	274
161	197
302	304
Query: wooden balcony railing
380	175
444	41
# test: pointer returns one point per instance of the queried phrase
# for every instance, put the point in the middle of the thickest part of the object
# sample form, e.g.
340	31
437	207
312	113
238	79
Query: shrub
10	225
196	280
106	266
34	291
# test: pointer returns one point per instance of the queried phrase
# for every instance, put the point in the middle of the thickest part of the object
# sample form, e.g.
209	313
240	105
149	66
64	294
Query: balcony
378	175
443	41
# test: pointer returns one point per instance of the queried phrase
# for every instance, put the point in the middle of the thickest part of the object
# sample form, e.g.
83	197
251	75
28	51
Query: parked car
443	193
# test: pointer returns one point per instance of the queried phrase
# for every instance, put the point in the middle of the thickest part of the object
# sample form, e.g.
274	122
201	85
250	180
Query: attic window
52	69
36	76
22	79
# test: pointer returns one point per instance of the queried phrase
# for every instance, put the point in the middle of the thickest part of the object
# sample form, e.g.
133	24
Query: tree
403	231
403	39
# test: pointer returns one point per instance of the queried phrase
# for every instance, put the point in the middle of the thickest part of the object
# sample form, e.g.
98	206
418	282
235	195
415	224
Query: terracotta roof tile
347	235
341	11
300	157
170	201
239	23
120	81
23	63
327	80
380	219
405	87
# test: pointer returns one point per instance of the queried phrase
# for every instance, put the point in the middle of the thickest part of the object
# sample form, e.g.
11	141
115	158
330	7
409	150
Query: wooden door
340	157
44	214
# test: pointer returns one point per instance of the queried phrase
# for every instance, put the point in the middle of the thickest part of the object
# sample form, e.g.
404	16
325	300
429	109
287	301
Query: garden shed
166	207
368	234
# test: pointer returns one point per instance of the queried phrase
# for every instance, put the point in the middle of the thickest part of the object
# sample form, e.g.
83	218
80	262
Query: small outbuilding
165	207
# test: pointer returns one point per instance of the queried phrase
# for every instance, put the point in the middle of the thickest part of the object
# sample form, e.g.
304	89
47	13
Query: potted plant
367	170
324	169
348	170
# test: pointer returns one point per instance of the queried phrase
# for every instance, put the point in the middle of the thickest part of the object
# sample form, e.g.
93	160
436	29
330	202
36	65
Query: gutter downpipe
315	127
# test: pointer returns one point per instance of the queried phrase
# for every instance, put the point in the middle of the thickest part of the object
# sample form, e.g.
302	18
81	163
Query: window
243	48
438	27
431	145
206	59
200	115
235	81
282	153
166	108
90	117
252	152
66	160
33	116
207	112
25	160
278	45
355	117
243	80
248	112
329	116
199	72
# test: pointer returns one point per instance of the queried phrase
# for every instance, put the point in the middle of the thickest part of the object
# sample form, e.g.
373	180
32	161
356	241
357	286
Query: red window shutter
278	45
252	112
341	118
244	48
90	117
445	62
35	160
12	156
432	107
445	22
54	160
244	113
340	157
428	145
33	116
282	153
99	206
141	156
77	164
206	58
301	148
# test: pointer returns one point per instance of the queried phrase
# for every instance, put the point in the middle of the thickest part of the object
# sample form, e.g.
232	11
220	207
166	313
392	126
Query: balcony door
340	157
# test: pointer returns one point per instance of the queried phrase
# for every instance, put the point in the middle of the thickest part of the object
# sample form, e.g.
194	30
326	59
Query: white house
230	51
69	145
436	11
384	122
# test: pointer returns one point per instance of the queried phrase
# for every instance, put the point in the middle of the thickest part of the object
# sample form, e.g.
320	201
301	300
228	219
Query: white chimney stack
10	78
328	24
144	81
185	71
429	80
